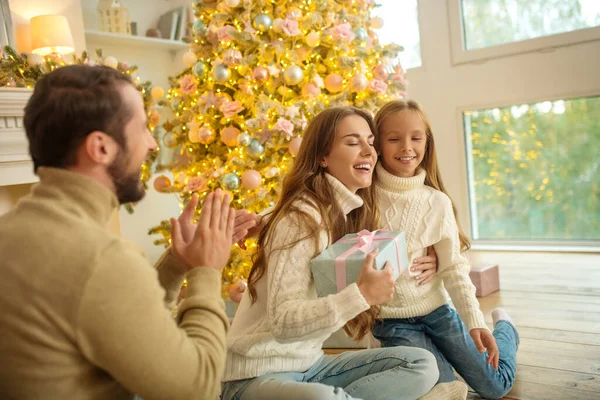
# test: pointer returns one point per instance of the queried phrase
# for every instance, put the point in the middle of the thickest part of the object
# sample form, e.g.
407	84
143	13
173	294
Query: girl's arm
454	271
293	311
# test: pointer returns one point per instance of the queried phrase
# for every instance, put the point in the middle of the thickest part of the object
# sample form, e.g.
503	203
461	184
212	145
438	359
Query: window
483	29
492	22
534	171
401	26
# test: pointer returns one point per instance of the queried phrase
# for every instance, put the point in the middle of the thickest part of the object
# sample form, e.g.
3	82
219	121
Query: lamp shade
51	34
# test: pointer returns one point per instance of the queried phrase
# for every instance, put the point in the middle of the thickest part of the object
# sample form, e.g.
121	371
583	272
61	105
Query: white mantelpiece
15	164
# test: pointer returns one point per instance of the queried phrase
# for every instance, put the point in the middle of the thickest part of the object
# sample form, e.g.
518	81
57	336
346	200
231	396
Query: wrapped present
340	264
486	279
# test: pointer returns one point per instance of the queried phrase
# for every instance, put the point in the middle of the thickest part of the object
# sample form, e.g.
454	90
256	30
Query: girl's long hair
433	178
307	184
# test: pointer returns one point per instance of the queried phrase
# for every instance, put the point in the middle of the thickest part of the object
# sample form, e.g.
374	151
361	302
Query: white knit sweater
286	327
425	215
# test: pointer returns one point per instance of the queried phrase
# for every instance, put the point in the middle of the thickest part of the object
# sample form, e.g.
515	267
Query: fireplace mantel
15	164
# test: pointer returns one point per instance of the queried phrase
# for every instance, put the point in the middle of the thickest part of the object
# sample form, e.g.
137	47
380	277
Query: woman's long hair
433	178
307	184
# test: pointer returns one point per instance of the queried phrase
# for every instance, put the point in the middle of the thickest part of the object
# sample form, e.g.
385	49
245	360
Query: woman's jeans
391	373
443	333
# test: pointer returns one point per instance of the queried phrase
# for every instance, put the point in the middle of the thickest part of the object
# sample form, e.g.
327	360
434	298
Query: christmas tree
257	71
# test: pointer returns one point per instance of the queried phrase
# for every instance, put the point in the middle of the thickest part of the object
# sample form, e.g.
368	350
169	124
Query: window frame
460	55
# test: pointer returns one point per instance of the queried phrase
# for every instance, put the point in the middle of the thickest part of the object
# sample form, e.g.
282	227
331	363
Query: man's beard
127	185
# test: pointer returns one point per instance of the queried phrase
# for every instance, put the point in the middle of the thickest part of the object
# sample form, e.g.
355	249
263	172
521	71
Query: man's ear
100	148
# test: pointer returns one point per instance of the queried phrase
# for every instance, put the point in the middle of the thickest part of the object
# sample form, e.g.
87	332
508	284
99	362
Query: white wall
444	89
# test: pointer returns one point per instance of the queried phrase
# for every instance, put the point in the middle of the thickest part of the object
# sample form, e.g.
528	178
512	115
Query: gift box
486	278
340	264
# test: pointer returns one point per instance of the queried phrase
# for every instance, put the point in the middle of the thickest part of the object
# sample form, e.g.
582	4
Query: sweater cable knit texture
427	218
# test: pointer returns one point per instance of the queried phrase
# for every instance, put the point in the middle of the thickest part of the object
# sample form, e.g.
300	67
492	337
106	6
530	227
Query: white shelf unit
115	39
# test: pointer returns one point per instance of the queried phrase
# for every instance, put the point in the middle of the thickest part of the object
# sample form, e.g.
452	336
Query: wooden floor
554	300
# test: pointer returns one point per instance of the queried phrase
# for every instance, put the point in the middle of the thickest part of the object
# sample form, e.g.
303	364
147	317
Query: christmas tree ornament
293	75
111	62
255	149
243	139
157	92
360	34
334	83
260	74
232	57
189	58
232	3
358	83
251	179
206	134
221	73
376	22
229	136
263	22
34	59
161	183
199	69
230	181
313	39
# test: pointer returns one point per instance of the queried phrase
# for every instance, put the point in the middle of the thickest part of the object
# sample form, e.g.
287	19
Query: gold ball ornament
157	92
206	134
161	183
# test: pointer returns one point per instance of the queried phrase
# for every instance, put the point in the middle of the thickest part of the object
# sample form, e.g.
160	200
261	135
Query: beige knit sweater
83	312
426	217
286	327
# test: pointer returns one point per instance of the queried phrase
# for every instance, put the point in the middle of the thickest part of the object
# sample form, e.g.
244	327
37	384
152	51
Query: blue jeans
443	333
394	373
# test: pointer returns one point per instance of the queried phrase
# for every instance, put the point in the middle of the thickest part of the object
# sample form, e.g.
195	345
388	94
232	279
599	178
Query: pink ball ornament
251	179
236	291
381	72
334	83
294	145
161	183
358	83
229	136
310	90
260	74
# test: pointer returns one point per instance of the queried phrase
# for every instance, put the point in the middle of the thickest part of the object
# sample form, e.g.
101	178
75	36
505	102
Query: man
83	313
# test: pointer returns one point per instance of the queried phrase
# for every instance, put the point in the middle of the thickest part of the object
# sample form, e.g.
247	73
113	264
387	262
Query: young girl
412	199
274	345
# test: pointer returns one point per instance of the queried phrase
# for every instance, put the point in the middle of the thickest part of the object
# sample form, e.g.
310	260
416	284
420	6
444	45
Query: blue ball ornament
230	181
361	34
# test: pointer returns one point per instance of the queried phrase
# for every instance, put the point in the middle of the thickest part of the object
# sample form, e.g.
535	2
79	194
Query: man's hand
485	340
207	243
427	264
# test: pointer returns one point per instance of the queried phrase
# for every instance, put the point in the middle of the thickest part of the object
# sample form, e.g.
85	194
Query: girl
412	199
274	345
